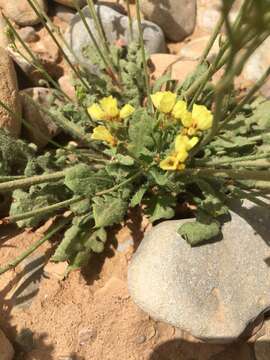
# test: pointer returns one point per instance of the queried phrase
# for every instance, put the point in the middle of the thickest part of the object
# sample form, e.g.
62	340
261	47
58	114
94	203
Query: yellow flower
181	167
103	134
169	163
183	141
181	112
96	112
164	101
202	117
126	111
109	106
182	155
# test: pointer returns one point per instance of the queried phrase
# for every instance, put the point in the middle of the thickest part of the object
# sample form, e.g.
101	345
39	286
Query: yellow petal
96	112
180	109
156	98
192	142
126	111
182	155
181	142
164	101
186	119
109	106
181	167
202	117
170	163
103	134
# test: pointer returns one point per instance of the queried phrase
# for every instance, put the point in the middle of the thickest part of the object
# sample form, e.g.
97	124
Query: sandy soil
90	315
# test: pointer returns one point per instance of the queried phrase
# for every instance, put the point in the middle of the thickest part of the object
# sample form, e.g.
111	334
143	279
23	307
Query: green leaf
138	196
140	132
159	176
67	247
199	231
109	210
161	207
83	180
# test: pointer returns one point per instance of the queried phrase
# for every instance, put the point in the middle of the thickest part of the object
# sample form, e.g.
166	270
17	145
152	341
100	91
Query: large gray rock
214	291
177	18
116	26
70	3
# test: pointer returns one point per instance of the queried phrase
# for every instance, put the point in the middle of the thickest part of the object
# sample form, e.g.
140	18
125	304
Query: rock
193	50
180	68
56	270
64	13
214	291
8	89
262	348
87	336
21	12
7	351
176	17
42	127
65	83
28	34
116	27
70	3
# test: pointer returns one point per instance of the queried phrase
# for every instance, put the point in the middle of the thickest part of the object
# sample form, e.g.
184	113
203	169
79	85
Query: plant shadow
179	349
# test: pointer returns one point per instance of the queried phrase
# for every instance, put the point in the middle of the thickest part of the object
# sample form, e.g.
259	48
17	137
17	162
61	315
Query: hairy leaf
109	210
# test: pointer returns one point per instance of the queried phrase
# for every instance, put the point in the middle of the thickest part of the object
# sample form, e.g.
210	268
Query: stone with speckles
214	291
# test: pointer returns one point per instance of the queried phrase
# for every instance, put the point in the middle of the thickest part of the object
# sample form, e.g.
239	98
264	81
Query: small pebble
87	336
140	339
28	34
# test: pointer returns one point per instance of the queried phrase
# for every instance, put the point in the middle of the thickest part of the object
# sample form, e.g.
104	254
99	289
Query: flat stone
214	291
116	27
7	351
193	50
28	34
21	12
64	13
70	3
177	18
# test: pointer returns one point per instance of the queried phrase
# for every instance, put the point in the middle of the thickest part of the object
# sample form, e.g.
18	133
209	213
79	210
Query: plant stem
105	57
36	63
212	39
44	210
98	25
33	180
130	22
261	175
77	73
233	160
12	264
247	98
145	68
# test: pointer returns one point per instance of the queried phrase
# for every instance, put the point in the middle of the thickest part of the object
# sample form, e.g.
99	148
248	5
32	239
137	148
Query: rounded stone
116	28
213	291
177	18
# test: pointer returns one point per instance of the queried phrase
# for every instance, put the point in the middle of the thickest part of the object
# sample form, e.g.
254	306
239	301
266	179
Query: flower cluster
193	123
108	110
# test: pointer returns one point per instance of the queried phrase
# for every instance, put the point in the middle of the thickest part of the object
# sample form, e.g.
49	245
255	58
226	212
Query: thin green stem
33	180
261	175
36	63
246	99
233	160
12	264
130	22
76	72
145	68
212	39
44	210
